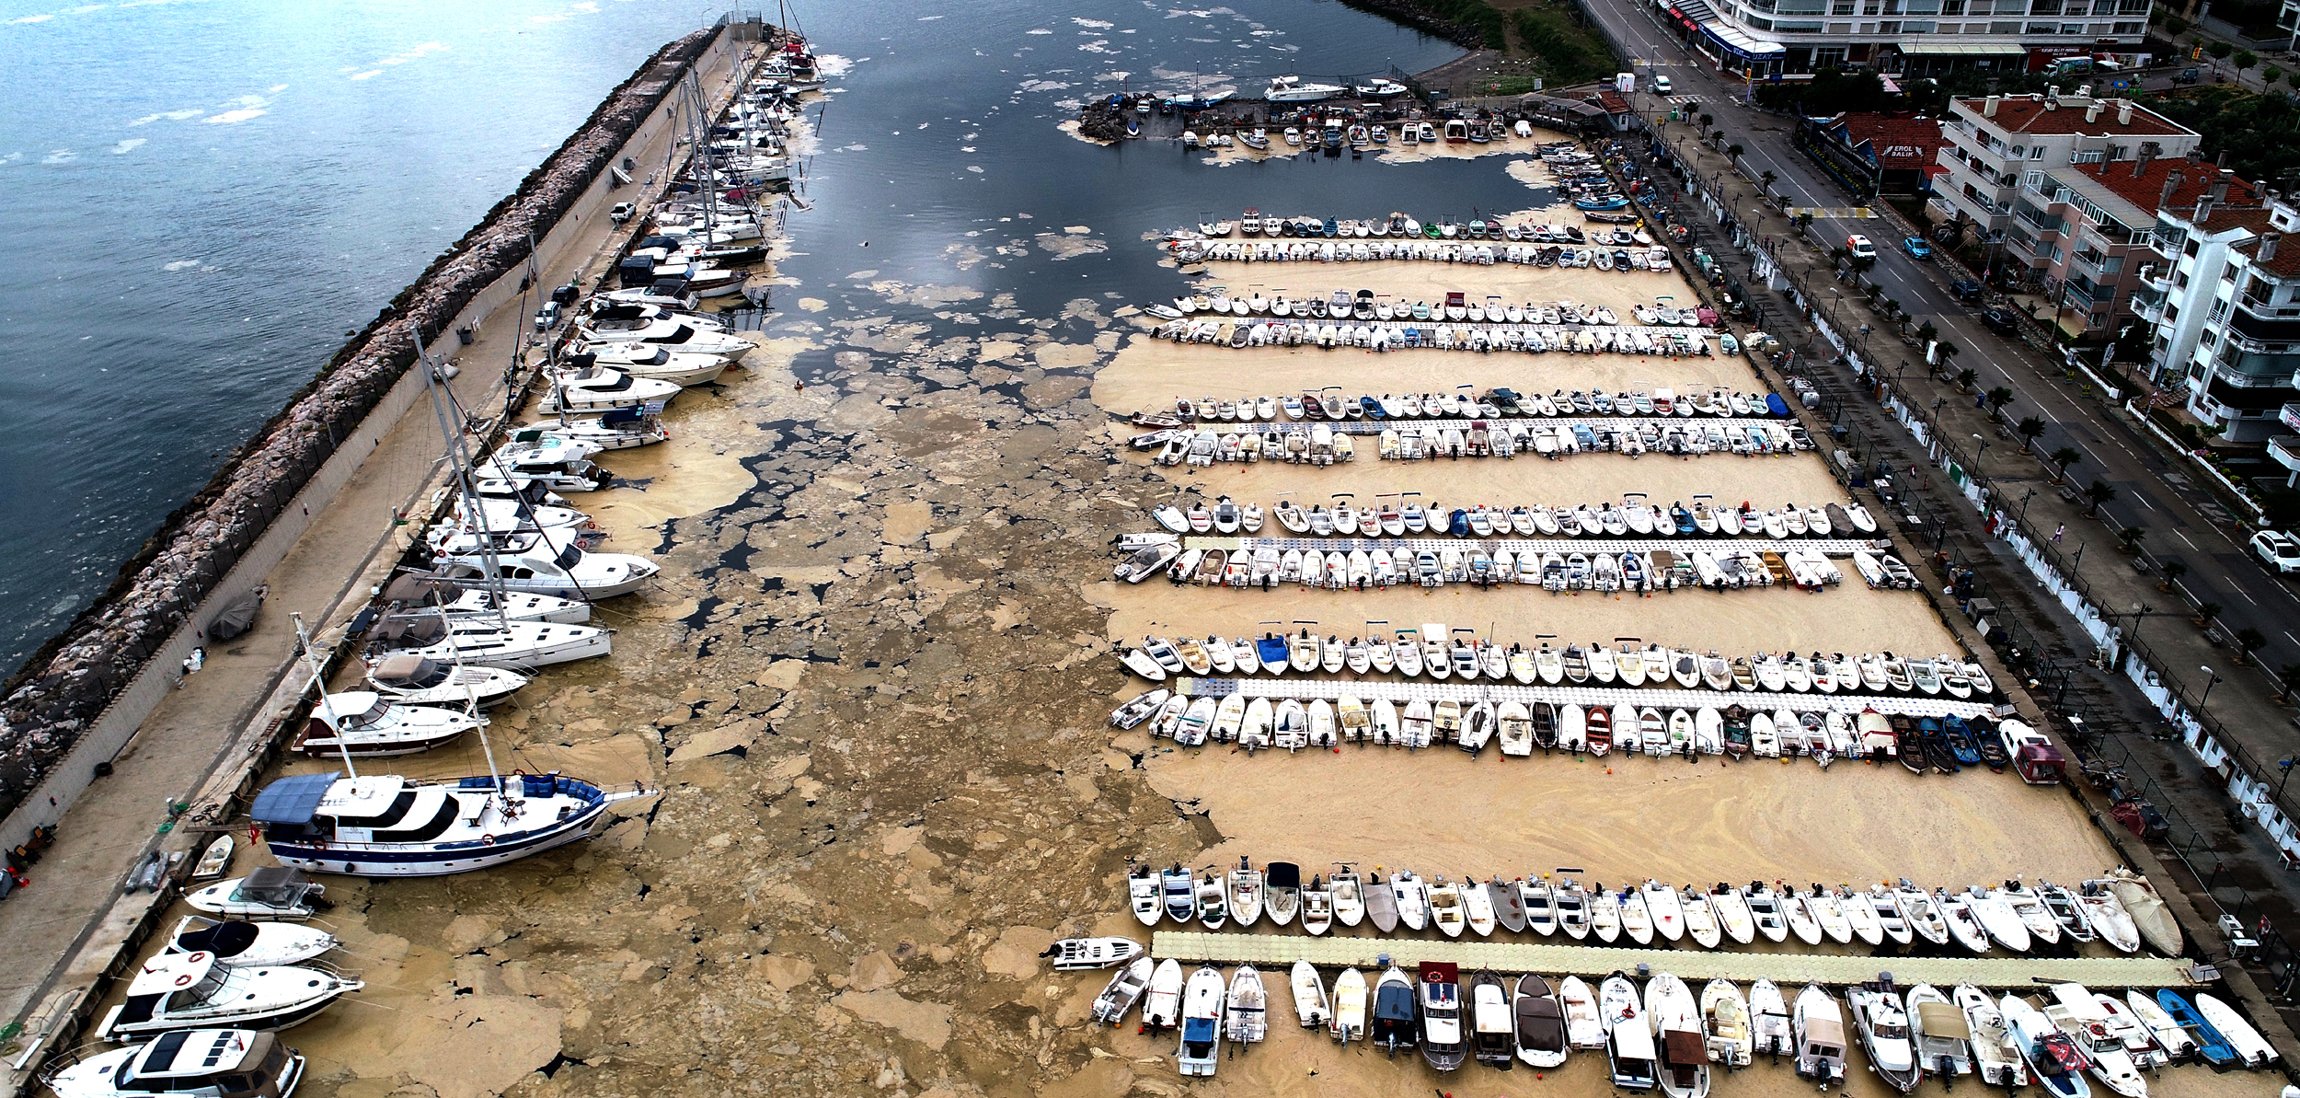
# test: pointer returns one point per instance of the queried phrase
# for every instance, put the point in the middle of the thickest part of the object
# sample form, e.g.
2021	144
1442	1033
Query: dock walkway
1305	689
1280	951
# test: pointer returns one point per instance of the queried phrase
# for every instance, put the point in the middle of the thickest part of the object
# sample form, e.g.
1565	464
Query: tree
2065	459
2219	51
1966	378
1926	331
2175	25
2271	76
2205	612
2028	429
2170	574
2245	59
1707	120
2287	681
2130	536
2096	493
2248	641
1733	152
1998	398
1766	179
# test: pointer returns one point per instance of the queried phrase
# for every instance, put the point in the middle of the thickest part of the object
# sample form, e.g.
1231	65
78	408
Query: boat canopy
1940	1020
292	801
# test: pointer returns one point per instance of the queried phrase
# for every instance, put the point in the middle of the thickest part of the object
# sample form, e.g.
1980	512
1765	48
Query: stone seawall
66	685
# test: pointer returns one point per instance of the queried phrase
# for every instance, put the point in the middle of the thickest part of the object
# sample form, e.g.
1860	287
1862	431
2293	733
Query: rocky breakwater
65	686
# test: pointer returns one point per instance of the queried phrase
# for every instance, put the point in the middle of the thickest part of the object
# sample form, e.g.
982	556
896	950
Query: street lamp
2285	764
2209	684
1984	451
2024	498
2139	611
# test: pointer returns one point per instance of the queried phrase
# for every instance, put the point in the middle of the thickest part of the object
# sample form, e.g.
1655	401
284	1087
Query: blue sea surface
205	196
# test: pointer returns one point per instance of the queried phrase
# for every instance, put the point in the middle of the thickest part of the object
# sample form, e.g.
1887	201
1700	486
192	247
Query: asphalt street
2184	520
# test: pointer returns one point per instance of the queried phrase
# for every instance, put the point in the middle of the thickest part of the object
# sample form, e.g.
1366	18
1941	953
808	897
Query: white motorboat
1883	1025
1769	1021
1349	1018
1996	1055
496	515
1144	896
417	594
1079	954
1677	1034
2054	1059
516	645
1725	1019
1201	1042
1123	991
542	564
1246	1013
604	389
195	991
678	334
1293	89
652	361
2176	1043
617	429
1162	1005
1311	1006
385	825
359	722
414	680
272	892
2076	1012
1940	1032
215	858
1244	886
1629	1039
2252	1050
1540	1023
217	1063
1819	1026
249	945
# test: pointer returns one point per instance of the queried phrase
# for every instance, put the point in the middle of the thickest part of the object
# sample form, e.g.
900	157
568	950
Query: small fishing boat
1124	990
1349	1017
1200	1050
1996	1054
1079	954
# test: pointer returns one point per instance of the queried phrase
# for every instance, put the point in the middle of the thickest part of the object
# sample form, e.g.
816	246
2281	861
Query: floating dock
1280	951
1584	696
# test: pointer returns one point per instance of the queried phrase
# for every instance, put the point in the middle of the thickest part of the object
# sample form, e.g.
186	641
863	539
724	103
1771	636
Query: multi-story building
1766	38
1988	144
2224	297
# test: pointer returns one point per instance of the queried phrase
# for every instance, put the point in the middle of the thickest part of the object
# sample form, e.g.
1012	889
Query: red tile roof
2143	186
1611	102
2027	114
1901	142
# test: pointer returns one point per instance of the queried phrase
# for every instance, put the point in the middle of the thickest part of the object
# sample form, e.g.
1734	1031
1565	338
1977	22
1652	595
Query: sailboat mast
319	683
459	467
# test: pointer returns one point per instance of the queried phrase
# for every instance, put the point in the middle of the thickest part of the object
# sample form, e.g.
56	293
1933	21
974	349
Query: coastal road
2185	521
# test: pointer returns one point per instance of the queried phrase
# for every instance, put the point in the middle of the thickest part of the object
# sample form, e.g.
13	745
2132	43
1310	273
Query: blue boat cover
1270	650
1198	1031
292	800
1775	405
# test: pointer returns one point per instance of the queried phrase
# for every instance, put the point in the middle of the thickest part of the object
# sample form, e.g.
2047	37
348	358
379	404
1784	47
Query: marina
756	663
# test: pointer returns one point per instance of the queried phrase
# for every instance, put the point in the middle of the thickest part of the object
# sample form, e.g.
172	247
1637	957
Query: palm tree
2029	428
2065	459
2248	641
2130	537
2170	574
1966	378
2098	492
1998	398
2287	681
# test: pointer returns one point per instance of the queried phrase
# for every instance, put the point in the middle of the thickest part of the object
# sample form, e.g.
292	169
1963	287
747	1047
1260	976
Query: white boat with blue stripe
386	825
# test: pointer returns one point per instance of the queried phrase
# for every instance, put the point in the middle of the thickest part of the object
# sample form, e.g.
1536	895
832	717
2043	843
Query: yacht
653	361
537	563
359	722
516	645
195	991
1293	89
613	429
432	595
247	945
414	680
603	389
675	334
386	825
218	1063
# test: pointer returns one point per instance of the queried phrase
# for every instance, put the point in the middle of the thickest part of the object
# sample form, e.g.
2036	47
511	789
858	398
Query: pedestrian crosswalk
1688	100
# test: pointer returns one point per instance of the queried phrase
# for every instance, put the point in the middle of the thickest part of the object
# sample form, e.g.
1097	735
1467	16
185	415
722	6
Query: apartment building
1766	38
2224	297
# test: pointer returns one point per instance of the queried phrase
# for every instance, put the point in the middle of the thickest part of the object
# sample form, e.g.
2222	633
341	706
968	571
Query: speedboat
680	334
1293	89
358	722
249	945
385	825
604	389
517	645
195	991
1677	1034
221	1063
1883	1025
413	680
538	563
1444	1044
273	892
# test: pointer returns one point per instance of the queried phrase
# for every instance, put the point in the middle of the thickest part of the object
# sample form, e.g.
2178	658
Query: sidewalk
59	926
2040	632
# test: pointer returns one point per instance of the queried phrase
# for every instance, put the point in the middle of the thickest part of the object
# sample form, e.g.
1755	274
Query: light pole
2024	498
1984	452
2285	764
2208	685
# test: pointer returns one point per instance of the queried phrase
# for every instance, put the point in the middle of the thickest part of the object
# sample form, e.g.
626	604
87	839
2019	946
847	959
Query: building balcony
2285	451
2289	415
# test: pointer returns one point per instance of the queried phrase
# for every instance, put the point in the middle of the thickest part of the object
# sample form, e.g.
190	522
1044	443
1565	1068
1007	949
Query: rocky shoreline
69	682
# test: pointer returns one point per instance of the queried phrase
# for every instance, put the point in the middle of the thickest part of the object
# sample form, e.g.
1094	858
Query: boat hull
382	860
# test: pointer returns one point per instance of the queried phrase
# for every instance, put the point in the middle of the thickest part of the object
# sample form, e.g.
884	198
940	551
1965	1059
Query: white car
2277	550
1860	246
1661	85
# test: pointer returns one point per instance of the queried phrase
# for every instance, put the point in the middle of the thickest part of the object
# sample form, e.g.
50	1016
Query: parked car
2188	75
2000	320
1661	85
547	317
2277	550
1967	290
1917	247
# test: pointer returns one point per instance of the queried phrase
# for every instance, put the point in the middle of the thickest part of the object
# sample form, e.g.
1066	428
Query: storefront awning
1741	45
1964	49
